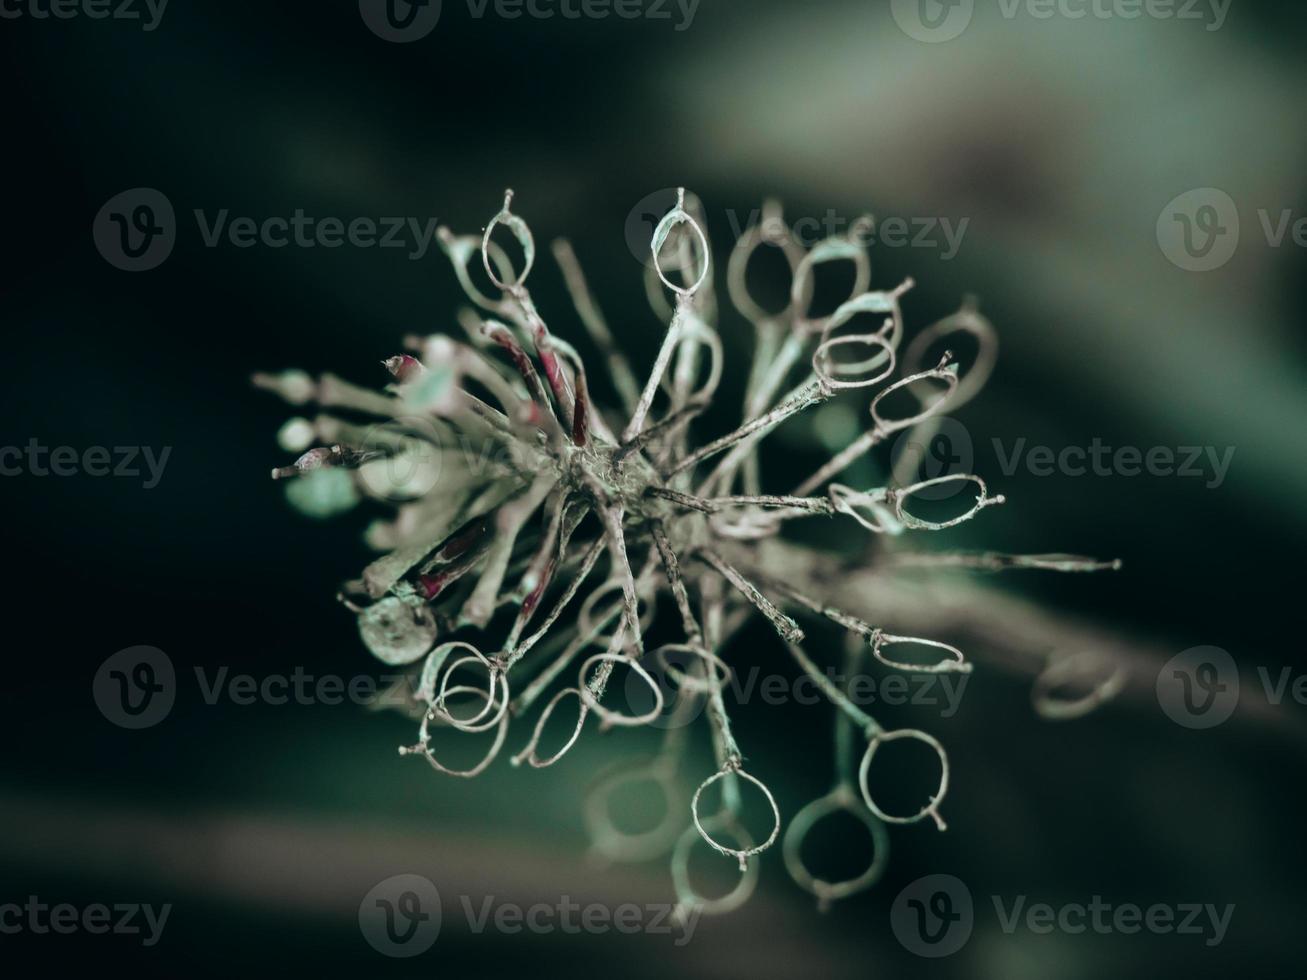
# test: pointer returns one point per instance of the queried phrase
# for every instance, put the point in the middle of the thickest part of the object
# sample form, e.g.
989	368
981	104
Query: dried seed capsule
398	630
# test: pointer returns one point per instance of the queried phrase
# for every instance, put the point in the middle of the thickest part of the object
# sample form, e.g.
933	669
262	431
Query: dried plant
512	488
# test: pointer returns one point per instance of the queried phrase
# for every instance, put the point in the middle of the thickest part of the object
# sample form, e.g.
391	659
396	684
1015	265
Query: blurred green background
1060	141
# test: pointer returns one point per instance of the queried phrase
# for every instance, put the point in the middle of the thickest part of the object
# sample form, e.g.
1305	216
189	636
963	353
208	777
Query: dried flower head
512	488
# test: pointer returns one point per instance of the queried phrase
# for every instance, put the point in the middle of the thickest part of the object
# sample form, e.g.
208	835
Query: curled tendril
608	840
746	523
956	665
838	249
433	665
834	376
489	716
884	510
679	216
931	809
732	768
874	303
714	665
423	746
694	329
522	232
945	371
590	691
460	249
966	320
586	616
838	800
871	509
1076	667
898	499
770	230
687	897
529	754
433	689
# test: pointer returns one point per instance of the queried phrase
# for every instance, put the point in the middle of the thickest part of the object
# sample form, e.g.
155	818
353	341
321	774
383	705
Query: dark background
1061	141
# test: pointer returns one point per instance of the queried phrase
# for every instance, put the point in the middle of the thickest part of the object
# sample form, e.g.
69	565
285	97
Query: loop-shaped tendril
944	371
694	329
530	755
434	690
746	523
431	667
423	746
838	800
769	230
713	664
833	376
687	898
830	250
931	809
586	623
966	320
957	665
522	232
732	768
591	691
1076	667
871	509
875	303
607	839
460	249
897	499
679	216
705	301
488	717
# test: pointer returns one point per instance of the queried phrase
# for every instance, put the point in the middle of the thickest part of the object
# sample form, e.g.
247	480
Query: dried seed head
527	465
